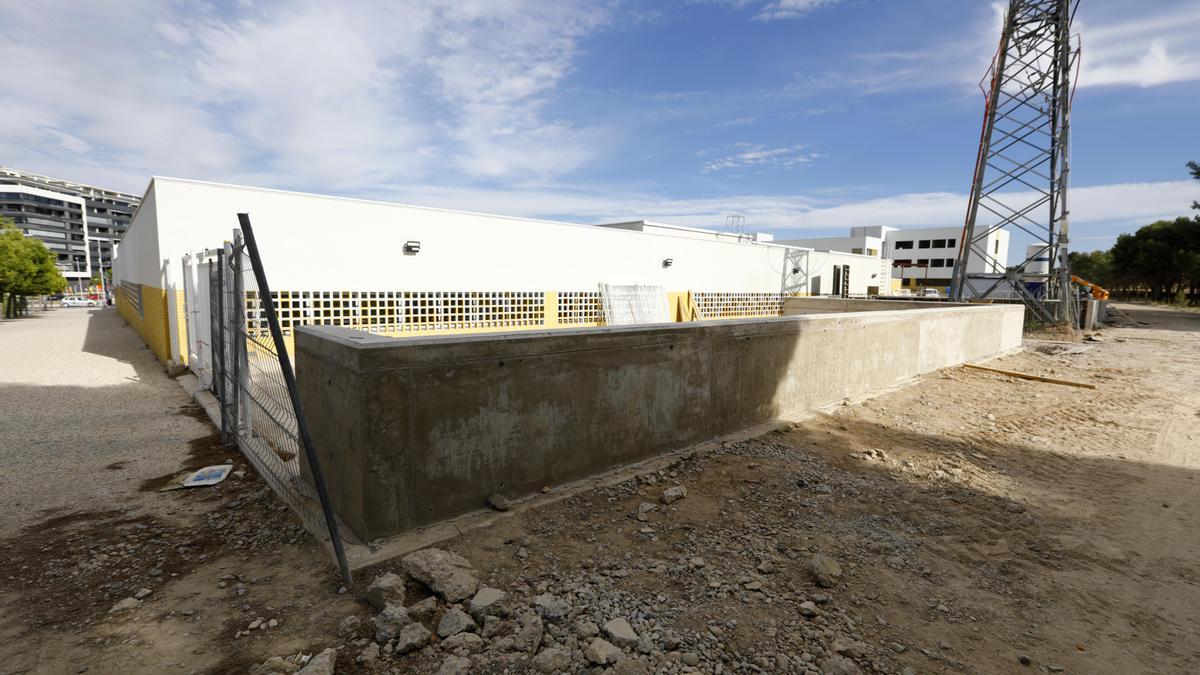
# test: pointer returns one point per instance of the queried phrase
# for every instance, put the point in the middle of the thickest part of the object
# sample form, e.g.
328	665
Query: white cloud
311	95
790	9
1143	48
1096	209
1126	44
761	156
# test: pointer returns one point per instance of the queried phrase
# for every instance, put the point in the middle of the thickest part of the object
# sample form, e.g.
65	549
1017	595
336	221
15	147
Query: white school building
410	270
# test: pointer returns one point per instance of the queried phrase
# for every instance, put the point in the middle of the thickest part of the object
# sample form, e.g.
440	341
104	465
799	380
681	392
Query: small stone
411	637
493	626
386	589
847	647
621	632
552	660
499	502
447	574
839	665
673	494
601	652
825	570
321	664
766	567
690	659
155	572
125	605
468	641
349	626
142	593
552	607
530	636
389	622
1025	660
486	601
587	629
273	623
424	611
455	665
369	655
453	622
808	608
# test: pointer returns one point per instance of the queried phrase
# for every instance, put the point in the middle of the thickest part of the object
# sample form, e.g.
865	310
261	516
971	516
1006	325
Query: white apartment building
919	256
78	223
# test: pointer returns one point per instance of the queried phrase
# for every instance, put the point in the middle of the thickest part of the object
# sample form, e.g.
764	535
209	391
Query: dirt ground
982	523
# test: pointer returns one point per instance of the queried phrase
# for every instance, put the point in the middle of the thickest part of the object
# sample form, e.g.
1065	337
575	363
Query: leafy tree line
26	268
1161	261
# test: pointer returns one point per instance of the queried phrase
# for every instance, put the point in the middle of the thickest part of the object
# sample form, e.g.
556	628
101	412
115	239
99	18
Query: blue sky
806	116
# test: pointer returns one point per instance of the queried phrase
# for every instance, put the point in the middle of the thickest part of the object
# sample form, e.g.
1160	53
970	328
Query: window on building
902	263
997	251
939	243
856	250
923	262
949	262
903	245
924	243
872	251
937	262
951	243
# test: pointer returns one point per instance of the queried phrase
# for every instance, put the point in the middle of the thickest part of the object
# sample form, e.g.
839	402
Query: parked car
79	302
930	293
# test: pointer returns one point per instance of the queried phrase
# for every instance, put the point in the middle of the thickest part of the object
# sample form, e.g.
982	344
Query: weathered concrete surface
412	431
821	305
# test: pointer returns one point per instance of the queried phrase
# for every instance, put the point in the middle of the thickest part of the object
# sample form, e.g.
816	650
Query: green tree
1195	169
26	268
1095	267
1162	257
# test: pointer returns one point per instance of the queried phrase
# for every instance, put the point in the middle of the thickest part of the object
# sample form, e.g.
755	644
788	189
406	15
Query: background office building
78	223
919	256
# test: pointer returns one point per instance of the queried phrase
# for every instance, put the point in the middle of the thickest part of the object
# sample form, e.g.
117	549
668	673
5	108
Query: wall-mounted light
795	270
667	262
412	247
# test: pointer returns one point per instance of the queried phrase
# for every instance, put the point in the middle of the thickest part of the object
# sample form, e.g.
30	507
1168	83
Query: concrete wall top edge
366	351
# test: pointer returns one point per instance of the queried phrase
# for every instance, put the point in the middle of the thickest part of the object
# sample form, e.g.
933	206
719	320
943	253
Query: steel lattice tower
1021	171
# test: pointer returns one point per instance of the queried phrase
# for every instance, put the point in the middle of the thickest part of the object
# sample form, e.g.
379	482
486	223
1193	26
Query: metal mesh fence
256	407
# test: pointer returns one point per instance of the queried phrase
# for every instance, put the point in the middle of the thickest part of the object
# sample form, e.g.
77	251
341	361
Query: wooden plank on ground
1027	376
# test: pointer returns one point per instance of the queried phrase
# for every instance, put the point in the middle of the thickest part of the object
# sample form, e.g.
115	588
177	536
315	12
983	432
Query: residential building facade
78	223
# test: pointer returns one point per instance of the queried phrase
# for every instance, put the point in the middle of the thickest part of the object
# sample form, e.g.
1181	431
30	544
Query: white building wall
312	242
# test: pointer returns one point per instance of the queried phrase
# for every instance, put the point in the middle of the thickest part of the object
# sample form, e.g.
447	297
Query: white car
79	302
930	293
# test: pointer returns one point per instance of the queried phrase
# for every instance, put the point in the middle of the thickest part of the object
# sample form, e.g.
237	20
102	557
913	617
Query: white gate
198	314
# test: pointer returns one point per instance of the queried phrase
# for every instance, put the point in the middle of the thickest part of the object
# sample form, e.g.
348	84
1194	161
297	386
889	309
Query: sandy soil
978	519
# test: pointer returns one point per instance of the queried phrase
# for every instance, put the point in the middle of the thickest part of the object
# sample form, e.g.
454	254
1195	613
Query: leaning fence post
221	397
289	377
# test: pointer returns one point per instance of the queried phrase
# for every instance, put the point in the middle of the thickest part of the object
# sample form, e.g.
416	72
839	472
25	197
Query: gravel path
88	413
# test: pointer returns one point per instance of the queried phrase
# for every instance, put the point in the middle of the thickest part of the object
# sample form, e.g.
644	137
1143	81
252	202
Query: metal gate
253	382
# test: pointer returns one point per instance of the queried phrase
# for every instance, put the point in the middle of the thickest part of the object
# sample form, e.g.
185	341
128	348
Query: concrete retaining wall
801	306
418	430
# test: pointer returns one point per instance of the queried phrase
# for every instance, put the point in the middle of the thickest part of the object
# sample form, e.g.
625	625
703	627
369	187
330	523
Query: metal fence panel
248	381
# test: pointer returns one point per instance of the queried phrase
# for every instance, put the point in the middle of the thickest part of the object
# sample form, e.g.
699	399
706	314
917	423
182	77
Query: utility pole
1022	167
